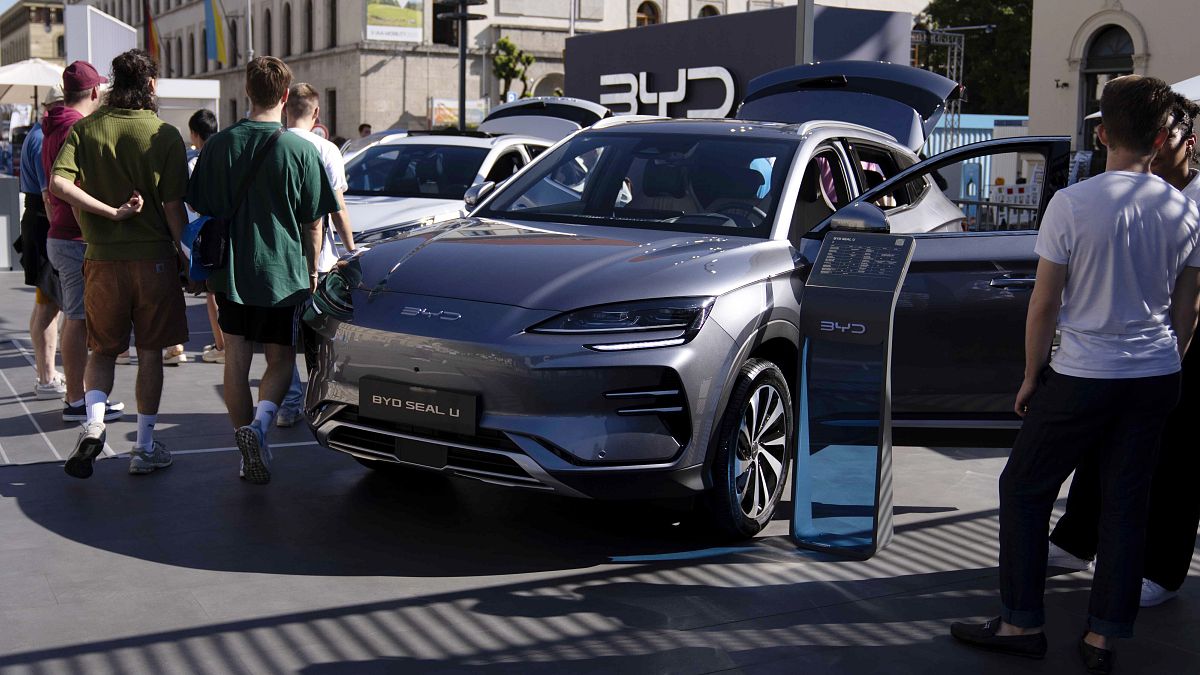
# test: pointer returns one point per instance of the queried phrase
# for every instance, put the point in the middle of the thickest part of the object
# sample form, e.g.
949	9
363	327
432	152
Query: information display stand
842	476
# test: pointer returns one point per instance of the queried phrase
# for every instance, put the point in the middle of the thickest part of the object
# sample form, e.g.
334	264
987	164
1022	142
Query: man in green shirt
125	170
274	239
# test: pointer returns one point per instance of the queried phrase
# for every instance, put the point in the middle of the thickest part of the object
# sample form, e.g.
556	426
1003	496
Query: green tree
995	64
510	63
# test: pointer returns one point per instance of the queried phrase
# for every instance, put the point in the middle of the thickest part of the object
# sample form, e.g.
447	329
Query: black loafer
1095	659
983	636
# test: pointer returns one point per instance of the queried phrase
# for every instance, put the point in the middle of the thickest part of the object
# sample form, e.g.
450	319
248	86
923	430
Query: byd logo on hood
636	91
839	327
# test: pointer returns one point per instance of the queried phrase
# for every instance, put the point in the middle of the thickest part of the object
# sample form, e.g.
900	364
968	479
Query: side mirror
477	193
856	217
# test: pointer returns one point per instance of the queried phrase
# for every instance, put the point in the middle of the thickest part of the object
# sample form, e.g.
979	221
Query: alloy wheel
761	450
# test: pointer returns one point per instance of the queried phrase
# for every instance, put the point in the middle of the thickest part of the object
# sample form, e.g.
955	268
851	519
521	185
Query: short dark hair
302	100
267	78
203	123
131	75
1133	109
362	126
1183	117
76	97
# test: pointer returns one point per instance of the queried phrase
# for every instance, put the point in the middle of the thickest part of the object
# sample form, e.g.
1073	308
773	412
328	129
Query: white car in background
421	177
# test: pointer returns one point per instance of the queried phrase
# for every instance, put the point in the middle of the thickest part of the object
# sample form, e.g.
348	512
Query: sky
5	4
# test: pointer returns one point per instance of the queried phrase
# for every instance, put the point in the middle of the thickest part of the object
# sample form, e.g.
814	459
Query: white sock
145	430
264	414
76	404
97	402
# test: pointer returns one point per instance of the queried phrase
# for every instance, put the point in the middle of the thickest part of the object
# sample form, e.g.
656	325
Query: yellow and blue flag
215	25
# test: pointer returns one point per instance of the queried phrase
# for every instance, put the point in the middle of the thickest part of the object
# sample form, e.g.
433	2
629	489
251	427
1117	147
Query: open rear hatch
901	101
550	117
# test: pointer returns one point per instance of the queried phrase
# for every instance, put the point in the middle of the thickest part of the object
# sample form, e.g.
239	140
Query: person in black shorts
274	239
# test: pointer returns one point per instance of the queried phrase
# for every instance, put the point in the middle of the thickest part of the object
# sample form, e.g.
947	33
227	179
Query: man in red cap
65	245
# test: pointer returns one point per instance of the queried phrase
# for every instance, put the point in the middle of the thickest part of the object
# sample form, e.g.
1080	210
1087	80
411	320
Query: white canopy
26	81
1189	88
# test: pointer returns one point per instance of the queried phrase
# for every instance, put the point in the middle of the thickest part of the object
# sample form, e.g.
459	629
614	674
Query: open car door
958	344
901	101
550	117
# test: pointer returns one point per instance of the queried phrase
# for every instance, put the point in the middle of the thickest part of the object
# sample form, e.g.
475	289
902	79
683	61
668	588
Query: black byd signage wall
700	68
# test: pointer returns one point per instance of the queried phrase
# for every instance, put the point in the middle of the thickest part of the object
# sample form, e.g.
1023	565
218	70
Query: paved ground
333	569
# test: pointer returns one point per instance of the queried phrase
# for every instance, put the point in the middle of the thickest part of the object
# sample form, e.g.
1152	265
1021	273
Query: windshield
676	182
411	170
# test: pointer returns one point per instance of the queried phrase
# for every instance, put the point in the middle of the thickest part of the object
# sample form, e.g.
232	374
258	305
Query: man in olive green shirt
126	172
274	238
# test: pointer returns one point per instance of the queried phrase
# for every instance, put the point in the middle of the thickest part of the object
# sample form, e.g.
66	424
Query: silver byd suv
619	319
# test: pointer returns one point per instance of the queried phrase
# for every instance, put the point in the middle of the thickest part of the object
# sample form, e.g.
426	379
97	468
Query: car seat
665	188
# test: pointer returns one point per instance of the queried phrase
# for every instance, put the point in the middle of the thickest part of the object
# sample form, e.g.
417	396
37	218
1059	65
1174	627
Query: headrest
662	179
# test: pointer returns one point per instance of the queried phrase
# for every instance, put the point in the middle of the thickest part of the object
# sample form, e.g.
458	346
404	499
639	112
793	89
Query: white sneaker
213	355
147	460
1059	557
256	456
55	389
1154	595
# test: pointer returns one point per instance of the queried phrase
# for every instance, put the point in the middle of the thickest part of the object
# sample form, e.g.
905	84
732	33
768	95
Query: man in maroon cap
65	246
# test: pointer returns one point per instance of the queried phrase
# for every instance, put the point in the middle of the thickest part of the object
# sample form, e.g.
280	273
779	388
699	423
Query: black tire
731	506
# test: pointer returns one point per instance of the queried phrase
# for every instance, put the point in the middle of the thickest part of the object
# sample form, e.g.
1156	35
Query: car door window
976	192
505	166
876	164
533	150
823	190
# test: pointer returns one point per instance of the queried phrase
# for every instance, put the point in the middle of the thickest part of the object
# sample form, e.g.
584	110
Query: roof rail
808	127
616	120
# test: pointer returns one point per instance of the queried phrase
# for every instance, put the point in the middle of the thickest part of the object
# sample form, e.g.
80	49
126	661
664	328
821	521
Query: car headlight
685	316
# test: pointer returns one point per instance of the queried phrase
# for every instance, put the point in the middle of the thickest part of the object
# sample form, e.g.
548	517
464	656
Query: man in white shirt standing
1174	502
303	110
1118	274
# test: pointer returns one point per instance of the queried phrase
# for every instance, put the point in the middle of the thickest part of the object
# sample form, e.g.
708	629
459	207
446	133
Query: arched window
286	29
191	51
234	56
268	33
60	47
1109	55
204	50
648	14
709	10
332	23
308	26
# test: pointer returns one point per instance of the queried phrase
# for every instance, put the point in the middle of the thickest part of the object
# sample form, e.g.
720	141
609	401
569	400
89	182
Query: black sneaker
983	636
78	413
1095	659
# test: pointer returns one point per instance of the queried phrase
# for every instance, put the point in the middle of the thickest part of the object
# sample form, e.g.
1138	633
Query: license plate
418	406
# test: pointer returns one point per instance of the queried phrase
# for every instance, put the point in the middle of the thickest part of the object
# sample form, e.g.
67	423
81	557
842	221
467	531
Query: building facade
367	75
32	30
1079	45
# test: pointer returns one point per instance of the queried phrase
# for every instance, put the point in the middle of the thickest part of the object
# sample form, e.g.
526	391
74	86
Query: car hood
564	267
371	212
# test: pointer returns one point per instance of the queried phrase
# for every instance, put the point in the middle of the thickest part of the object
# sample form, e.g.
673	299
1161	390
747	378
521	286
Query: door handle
1012	282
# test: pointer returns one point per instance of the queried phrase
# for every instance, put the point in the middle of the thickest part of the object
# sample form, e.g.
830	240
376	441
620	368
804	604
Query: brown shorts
142	295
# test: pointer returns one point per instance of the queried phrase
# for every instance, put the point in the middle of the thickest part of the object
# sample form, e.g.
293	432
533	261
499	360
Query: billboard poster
395	20
443	112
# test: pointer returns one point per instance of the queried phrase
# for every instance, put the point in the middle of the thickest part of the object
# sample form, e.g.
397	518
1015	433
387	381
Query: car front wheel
753	452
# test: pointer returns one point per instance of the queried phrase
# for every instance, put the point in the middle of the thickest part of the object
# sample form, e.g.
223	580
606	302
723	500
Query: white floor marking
17	398
33	364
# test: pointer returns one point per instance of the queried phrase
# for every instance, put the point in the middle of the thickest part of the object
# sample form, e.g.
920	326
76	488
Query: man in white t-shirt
1174	501
1119	275
303	111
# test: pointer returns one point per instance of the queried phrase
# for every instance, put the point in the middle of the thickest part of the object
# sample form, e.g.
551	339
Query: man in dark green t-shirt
274	238
126	171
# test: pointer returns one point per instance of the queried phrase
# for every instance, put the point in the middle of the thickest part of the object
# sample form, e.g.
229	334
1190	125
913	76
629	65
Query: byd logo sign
636	92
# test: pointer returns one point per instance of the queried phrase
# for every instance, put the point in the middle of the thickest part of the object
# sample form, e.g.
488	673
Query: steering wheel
743	215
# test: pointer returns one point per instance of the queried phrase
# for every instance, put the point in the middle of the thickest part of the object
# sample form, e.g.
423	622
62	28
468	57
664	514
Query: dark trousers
1174	501
1115	424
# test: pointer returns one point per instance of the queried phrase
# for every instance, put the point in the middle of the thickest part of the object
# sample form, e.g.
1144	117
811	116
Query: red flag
150	34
